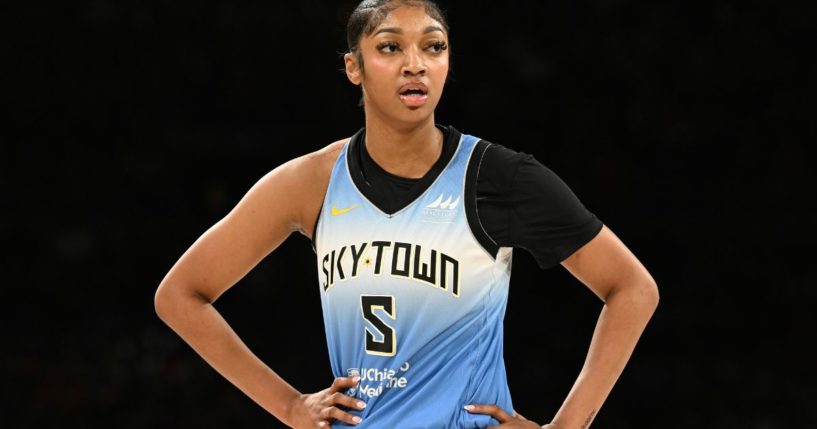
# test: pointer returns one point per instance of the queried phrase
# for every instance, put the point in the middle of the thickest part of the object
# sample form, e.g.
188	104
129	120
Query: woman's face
405	64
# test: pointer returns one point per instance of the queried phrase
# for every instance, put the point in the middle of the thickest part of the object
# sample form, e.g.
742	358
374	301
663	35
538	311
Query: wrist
290	409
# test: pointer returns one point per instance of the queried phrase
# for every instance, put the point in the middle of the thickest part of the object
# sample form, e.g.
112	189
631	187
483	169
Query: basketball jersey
412	302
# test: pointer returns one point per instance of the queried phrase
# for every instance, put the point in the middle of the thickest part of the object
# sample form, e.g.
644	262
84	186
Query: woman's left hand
506	421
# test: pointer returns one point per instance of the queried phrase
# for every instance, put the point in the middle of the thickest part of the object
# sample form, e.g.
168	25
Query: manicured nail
361	404
469	407
356	419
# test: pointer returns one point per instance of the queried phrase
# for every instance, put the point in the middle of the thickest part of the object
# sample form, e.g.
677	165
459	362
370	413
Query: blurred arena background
687	126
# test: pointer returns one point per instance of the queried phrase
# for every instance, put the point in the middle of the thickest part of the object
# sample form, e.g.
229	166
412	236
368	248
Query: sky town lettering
407	260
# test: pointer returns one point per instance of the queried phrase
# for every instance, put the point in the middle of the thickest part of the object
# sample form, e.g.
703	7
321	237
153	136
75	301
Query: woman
413	225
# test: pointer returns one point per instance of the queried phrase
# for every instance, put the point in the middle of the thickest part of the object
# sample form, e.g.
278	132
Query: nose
414	64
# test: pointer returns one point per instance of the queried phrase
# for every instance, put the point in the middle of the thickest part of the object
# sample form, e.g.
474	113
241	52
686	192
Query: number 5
368	304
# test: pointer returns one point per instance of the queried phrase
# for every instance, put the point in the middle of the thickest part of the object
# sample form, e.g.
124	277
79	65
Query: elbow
649	295
168	301
162	302
173	300
656	295
638	294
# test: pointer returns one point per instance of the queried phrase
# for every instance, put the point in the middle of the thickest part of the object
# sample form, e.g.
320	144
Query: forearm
205	330
620	324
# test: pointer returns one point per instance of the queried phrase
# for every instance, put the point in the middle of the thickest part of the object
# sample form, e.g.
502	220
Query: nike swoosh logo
338	212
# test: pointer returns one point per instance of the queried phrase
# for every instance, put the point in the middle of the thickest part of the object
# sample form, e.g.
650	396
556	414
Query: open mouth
413	95
413	92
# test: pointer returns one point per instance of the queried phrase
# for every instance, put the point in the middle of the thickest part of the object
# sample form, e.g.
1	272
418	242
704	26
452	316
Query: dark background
687	127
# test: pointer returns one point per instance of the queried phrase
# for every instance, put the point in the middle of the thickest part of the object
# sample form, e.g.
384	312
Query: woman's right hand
319	410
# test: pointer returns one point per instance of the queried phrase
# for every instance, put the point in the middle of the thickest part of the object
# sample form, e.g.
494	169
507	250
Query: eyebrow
395	30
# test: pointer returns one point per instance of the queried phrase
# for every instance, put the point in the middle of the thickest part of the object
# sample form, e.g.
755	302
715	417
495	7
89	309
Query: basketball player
413	224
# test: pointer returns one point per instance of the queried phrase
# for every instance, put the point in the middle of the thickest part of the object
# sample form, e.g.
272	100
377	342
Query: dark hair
370	13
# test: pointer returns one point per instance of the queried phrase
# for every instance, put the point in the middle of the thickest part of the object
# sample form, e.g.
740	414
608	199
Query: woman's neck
405	152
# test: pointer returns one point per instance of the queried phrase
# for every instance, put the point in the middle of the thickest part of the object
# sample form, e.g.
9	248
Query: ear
352	68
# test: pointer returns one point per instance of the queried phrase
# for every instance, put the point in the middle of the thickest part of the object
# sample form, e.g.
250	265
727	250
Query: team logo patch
374	381
442	210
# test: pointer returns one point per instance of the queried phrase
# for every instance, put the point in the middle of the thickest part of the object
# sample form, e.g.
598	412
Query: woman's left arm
630	296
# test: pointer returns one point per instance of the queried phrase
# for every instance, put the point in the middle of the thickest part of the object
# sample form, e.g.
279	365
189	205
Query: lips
414	88
414	94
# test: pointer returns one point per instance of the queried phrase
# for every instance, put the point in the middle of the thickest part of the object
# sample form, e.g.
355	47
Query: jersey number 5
388	344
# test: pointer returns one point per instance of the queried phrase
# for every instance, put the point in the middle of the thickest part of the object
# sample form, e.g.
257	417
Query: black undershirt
520	203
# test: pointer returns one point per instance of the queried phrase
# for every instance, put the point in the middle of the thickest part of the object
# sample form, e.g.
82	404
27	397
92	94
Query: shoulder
320	162
301	183
522	203
494	166
305	169
313	171
504	169
499	156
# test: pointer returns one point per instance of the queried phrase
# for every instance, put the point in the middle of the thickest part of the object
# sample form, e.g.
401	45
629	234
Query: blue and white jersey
412	302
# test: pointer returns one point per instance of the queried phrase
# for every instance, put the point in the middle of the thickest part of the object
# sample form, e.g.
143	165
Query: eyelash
438	46
382	45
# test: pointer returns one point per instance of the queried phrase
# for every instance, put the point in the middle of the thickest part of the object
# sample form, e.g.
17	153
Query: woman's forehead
408	18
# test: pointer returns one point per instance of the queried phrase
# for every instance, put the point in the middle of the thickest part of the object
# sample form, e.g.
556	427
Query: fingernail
469	407
361	404
356	378
321	424
356	419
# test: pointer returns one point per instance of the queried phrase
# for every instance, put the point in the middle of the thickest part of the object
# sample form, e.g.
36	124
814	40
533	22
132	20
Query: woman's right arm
274	207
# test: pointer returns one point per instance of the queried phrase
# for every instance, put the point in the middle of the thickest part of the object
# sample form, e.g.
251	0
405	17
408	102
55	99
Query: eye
388	47
437	46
